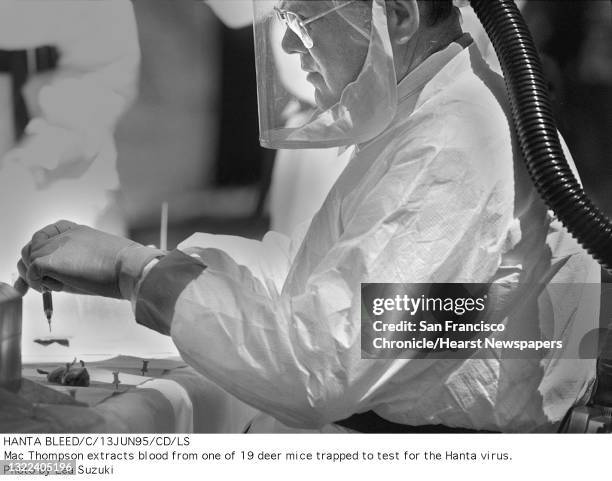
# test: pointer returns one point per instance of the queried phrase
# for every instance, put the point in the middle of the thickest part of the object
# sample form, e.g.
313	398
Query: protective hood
327	37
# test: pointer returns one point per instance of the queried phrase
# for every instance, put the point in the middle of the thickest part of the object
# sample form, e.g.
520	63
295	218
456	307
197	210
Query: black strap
44	59
19	66
371	423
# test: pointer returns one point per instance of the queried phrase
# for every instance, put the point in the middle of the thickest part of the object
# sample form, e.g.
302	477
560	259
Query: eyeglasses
298	25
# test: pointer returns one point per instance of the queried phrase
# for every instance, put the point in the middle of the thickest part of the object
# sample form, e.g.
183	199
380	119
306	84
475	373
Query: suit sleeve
295	353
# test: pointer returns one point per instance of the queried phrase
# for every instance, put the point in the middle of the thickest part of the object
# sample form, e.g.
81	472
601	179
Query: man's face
339	49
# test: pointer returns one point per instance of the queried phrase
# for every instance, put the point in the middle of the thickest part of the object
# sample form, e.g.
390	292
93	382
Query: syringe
48	305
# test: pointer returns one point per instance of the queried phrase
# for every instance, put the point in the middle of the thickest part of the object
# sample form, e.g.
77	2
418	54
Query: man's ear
403	20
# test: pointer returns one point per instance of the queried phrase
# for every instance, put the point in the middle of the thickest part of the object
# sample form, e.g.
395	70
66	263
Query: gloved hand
74	258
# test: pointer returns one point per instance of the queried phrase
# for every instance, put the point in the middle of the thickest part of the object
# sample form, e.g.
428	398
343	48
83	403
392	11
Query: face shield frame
299	26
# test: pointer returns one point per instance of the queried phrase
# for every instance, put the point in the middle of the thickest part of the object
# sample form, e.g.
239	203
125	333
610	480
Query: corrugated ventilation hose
537	131
540	144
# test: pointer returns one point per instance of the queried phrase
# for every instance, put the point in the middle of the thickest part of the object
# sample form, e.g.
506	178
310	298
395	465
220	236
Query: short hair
438	10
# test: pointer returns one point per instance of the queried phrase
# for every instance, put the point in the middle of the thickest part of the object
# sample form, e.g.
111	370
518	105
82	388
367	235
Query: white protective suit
439	196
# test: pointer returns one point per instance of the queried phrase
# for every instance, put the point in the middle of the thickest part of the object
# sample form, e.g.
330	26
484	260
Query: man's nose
291	43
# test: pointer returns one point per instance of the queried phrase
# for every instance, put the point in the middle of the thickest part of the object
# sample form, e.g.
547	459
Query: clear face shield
346	75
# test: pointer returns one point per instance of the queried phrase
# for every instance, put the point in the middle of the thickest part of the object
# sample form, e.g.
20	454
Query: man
434	193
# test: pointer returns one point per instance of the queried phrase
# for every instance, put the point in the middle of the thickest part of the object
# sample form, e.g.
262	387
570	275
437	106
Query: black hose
537	132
